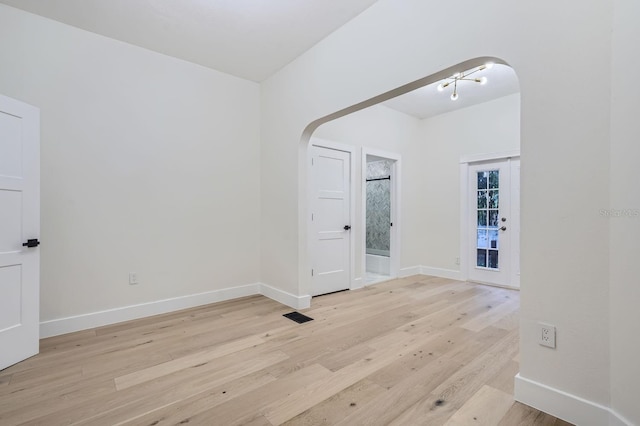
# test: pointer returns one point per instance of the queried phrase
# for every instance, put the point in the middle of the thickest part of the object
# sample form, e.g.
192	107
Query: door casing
396	185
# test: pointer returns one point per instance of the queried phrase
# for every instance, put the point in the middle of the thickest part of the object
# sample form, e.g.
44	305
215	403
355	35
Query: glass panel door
491	225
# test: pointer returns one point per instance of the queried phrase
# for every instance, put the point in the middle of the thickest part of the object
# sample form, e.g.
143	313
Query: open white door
19	230
330	221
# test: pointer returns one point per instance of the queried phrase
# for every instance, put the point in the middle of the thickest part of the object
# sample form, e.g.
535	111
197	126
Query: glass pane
482	258
482	180
493	259
493	199
494	178
378	217
482	238
482	218
493	218
493	239
482	199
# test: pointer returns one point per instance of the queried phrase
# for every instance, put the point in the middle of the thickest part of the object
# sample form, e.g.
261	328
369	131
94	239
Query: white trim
396	206
357	283
111	316
441	273
407	272
296	302
492	156
431	271
464	222
565	406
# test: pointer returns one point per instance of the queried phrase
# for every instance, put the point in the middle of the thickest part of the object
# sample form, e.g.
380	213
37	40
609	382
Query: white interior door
494	222
330	220
19	222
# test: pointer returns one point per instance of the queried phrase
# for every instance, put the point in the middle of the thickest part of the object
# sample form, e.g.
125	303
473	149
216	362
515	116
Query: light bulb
440	87
454	96
483	80
489	65
456	75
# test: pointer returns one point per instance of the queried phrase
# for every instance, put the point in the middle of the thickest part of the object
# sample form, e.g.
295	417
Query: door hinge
312	272
312	217
312	161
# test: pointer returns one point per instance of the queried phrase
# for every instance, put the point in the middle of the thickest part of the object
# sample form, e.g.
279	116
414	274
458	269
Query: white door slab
330	215
19	222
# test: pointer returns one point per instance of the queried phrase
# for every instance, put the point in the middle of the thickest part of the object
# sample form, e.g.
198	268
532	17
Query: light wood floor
413	351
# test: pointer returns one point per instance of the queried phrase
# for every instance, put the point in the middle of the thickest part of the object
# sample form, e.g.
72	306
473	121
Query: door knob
31	243
504	228
347	227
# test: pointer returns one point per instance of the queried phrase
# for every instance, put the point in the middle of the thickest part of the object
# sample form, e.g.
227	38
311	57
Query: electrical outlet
133	278
547	335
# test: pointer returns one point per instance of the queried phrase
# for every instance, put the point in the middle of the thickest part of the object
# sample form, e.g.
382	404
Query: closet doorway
380	195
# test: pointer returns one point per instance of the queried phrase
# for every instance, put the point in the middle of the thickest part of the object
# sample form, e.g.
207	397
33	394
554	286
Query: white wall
491	127
564	145
149	164
624	216
431	150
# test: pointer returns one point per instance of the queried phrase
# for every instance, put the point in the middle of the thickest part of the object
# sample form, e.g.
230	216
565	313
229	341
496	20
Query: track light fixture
464	76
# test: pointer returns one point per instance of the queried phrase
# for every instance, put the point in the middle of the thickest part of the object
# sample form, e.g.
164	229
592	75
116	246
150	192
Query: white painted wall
491	127
564	145
149	164
431	150
624	218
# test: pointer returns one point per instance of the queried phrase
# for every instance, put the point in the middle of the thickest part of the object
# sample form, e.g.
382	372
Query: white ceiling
251	39
428	101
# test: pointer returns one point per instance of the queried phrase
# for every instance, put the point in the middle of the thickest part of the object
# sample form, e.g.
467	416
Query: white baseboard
428	270
127	313
357	283
296	302
565	406
407	272
441	273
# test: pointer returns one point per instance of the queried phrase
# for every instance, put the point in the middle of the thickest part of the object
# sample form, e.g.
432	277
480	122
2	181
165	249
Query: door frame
396	185
465	241
351	150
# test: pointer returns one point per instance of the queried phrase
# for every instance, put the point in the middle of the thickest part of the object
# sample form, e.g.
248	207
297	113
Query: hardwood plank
523	415
332	410
449	396
179	407
492	315
189	361
416	350
5	379
485	408
505	379
240	411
